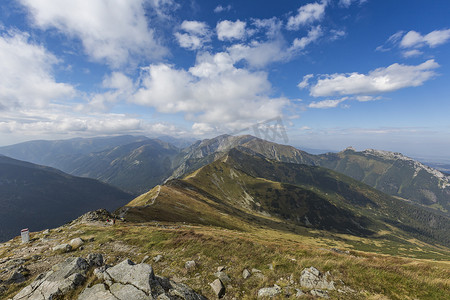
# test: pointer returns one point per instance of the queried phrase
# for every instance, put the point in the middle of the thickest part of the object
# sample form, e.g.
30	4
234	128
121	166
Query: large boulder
63	278
311	278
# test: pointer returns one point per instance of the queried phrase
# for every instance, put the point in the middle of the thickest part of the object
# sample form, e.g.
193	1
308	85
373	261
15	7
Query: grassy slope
373	276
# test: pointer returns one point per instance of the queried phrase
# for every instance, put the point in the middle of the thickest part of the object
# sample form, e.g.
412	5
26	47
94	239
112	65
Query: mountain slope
254	189
54	153
134	167
39	197
394	174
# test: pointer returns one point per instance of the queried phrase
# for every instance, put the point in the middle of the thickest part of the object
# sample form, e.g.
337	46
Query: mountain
134	167
56	153
37	197
243	187
394	174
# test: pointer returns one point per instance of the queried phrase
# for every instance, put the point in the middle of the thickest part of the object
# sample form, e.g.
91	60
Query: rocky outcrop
269	292
125	280
311	278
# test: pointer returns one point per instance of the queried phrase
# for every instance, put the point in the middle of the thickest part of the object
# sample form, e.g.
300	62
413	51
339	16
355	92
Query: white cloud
112	33
259	54
228	30
337	34
26	72
197	34
381	80
221	8
272	26
347	3
313	35
305	82
307	14
432	39
326	103
412	53
212	92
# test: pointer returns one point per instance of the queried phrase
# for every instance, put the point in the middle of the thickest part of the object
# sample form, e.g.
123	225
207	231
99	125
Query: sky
331	74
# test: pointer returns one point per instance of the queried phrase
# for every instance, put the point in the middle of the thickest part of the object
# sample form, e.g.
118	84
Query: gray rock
63	278
62	248
246	274
311	278
95	259
255	271
221	268
145	259
128	291
190	265
218	288
223	277
157	258
76	243
299	293
127	272
98	292
320	293
269	292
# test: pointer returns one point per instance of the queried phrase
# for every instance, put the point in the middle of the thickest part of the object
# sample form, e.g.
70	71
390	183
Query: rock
127	272
63	278
311	278
221	268
320	293
157	258
99	215
270	266
190	265
62	248
16	277
76	243
46	231
145	259
269	292
218	288
299	293
128	291
98	291
223	277
255	271
246	274
95	259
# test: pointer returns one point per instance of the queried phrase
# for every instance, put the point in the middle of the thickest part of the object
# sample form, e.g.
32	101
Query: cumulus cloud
229	30
432	39
221	8
381	80
259	54
347	3
195	36
213	92
313	35
307	14
305	82
27	74
114	34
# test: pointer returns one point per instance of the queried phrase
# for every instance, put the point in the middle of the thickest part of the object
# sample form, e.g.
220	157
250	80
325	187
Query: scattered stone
62	248
246	274
255	271
311	278
190	265
223	277
76	243
221	268
270	266
218	288
157	258
340	251
46	232
269	292
95	259
99	215
320	293
145	259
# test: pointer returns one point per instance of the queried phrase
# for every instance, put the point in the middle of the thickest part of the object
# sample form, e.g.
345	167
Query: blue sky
371	74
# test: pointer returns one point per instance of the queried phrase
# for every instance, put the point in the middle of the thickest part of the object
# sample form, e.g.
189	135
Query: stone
62	248
95	259
246	274
311	278
16	277
127	272
76	243
269	292
145	259
63	277
46	231
255	271
223	277
218	288
221	268
320	293
128	291
157	258
98	292
299	293
190	265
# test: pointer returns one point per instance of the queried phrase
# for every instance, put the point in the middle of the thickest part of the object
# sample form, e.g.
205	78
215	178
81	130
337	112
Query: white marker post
25	235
